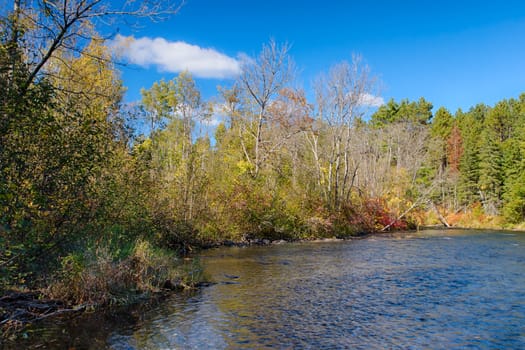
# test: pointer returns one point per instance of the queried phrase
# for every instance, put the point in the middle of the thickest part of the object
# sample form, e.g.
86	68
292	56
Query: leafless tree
259	84
340	103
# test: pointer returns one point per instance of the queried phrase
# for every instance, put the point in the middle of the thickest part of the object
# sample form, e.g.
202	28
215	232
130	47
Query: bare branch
66	24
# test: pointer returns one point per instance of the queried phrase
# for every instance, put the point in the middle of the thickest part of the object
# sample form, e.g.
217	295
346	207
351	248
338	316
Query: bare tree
260	83
340	97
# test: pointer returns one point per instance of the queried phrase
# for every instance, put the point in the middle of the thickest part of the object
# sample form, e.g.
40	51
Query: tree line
84	196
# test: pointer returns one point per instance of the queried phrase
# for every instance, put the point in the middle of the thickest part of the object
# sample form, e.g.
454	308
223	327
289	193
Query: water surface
434	289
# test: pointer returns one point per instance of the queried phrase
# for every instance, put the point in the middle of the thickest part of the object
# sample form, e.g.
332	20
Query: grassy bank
95	278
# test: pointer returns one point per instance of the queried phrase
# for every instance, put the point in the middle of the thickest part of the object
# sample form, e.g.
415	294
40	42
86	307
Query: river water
432	289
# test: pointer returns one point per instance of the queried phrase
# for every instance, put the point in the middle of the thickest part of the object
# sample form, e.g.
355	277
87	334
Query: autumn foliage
90	186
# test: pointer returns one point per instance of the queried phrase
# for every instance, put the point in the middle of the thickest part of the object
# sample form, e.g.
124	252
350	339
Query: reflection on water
436	289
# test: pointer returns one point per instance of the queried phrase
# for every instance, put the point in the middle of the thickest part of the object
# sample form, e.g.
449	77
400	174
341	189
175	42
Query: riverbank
100	284
21	309
90	282
18	309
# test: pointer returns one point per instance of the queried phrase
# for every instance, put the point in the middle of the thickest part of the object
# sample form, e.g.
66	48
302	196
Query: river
433	289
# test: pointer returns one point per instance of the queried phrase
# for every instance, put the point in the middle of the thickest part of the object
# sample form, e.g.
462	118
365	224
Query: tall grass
95	277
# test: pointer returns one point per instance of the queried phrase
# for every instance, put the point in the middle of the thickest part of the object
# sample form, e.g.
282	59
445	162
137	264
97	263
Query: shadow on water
432	289
93	330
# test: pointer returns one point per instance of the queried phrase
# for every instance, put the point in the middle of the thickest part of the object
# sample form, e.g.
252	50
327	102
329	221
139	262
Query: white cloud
176	56
245	60
370	100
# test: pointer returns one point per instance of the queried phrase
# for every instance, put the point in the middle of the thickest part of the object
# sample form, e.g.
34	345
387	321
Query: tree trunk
440	217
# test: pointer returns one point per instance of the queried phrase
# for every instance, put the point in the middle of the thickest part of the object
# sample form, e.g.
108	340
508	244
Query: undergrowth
95	277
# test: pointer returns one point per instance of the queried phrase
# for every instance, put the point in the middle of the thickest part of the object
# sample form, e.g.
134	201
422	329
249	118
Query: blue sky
453	53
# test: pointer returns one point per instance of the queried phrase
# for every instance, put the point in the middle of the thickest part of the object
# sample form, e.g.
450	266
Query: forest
92	207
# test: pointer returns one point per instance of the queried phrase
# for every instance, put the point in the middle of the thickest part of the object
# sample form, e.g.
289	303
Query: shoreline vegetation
22	309
101	201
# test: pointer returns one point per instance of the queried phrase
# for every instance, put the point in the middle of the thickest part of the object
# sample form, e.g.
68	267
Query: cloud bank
370	100
176	56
